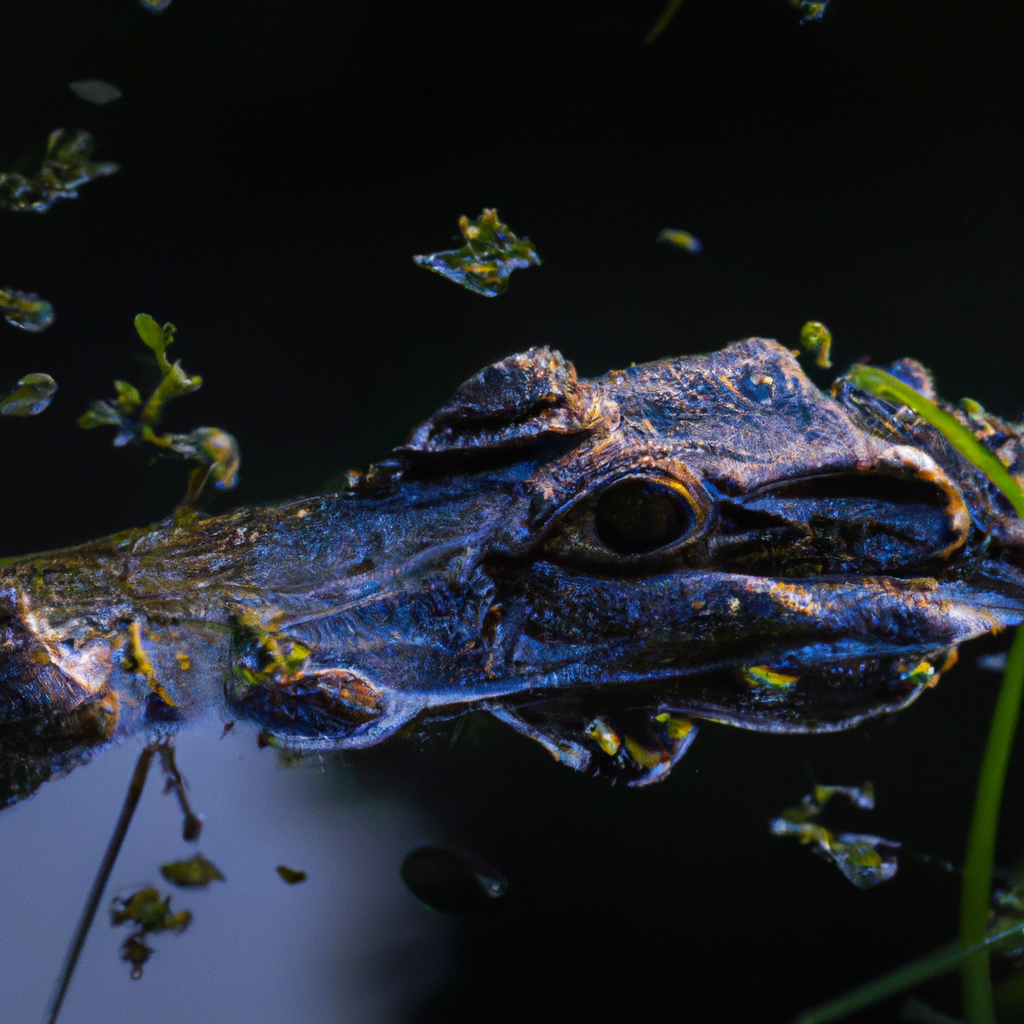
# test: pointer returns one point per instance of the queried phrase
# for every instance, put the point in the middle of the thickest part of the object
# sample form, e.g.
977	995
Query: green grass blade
663	22
884	385
941	961
981	840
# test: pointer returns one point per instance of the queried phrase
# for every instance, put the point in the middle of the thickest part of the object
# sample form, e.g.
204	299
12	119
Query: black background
280	164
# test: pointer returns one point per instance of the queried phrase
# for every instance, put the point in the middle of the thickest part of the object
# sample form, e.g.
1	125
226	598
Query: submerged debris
451	882
680	239
866	860
150	914
991	662
817	338
66	167
95	90
484	263
26	310
290	875
194	873
31	396
216	450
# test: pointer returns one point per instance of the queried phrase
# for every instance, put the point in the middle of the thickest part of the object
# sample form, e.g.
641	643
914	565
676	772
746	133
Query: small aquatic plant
136	420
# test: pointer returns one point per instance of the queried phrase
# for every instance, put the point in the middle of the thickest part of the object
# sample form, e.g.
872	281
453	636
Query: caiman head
597	563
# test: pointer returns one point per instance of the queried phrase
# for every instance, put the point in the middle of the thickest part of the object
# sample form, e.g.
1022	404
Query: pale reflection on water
348	944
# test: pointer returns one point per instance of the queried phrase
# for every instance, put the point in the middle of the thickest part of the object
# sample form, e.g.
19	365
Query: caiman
594	562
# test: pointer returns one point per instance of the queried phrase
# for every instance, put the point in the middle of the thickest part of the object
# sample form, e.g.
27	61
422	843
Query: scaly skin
594	562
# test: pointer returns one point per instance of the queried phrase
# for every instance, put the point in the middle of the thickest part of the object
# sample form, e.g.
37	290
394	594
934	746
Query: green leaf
151	333
817	338
100	414
31	396
128	396
195	873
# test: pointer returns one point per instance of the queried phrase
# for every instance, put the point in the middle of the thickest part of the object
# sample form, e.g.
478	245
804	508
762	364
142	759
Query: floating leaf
150	914
195	873
290	875
451	882
680	239
134	951
484	263
67	165
212	447
811	10
95	90
153	335
866	860
26	310
817	338
30	397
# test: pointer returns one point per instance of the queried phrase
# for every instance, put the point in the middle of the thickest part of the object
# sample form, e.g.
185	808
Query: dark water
280	164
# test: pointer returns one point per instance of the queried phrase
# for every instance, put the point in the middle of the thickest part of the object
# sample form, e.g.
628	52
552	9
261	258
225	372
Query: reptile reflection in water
594	562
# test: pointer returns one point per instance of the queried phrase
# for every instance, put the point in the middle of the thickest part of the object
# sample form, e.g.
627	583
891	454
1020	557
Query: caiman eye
633	523
635	517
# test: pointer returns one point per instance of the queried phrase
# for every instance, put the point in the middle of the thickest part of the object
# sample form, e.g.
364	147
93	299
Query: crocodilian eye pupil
635	516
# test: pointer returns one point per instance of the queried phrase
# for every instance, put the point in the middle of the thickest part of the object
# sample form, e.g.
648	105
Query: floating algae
866	860
680	239
31	396
67	166
196	872
486	261
150	914
26	310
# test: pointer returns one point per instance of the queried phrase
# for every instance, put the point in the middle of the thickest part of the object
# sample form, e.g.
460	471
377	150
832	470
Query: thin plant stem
931	965
174	782
663	21
976	894
131	801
